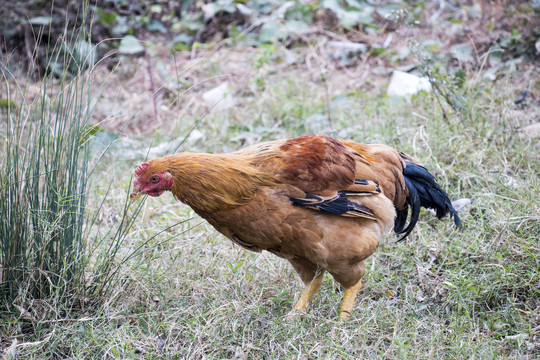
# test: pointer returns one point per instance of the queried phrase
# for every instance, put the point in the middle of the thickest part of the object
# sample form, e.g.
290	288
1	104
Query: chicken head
153	184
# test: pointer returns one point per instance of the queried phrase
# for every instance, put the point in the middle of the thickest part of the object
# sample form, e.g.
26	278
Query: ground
190	293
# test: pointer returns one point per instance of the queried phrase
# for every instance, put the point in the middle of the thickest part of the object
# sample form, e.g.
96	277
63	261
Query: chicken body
323	204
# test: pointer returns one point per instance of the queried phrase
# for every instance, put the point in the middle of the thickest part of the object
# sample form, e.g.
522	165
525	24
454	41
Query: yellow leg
348	300
306	295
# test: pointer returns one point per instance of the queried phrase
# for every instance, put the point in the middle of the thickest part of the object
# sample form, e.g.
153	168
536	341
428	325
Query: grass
45	177
189	293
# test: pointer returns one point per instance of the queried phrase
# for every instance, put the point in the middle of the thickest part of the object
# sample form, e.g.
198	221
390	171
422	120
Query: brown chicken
321	203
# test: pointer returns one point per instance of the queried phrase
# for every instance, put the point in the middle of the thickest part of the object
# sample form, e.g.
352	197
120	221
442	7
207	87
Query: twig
327	100
437	91
11	351
151	77
28	46
85	319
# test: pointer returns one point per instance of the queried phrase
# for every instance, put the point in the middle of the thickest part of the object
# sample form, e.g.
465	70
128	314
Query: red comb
141	169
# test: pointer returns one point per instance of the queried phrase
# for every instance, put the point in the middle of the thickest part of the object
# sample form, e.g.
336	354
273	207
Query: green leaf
225	5
7	103
462	52
459	78
182	38
432	46
262	6
269	31
180	47
156	9
191	23
347	17
295	27
88	132
82	56
121	28
40	20
155	25
130	45
106	18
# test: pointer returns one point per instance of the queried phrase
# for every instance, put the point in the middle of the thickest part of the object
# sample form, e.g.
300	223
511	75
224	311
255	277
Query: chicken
322	204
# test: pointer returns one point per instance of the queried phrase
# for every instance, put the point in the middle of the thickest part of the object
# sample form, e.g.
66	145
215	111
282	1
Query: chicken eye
154	179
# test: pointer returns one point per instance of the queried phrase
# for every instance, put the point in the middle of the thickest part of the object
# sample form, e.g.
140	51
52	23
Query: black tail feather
423	192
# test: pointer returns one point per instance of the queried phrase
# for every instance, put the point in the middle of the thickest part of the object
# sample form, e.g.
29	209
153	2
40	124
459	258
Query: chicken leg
311	288
348	300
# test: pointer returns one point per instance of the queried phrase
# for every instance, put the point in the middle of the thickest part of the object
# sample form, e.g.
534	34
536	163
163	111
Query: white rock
350	48
405	84
220	97
209	10
195	136
461	203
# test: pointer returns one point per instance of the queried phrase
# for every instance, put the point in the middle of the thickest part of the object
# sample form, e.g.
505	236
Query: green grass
44	178
189	293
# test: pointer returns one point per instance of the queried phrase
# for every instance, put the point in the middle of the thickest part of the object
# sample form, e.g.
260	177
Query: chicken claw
348	301
310	289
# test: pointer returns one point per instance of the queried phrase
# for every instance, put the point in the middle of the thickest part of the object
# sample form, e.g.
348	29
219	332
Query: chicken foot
311	288
348	300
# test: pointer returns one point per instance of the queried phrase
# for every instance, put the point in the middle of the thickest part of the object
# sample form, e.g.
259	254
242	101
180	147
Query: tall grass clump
52	246
44	175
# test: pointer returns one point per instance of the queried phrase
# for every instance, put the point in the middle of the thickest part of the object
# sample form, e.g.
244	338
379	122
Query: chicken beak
135	195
